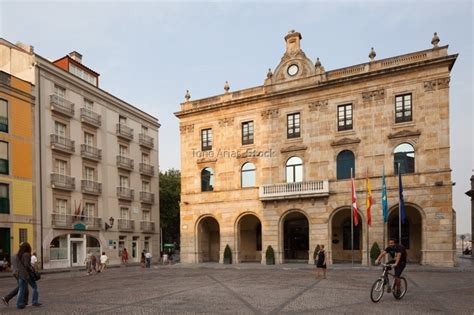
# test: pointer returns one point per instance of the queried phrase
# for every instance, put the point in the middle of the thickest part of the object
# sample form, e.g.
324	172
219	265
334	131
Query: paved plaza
245	289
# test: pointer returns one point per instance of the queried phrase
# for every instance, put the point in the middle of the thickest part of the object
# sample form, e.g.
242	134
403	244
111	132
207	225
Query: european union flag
384	199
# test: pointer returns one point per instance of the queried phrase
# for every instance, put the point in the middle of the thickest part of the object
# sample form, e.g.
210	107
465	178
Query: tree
170	190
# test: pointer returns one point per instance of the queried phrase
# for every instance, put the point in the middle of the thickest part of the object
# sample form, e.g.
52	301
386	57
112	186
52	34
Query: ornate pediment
270	113
442	83
345	141
318	105
293	148
225	122
186	128
373	95
404	133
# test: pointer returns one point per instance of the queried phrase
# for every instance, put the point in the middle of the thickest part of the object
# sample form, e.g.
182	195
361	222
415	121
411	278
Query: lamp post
462	243
109	226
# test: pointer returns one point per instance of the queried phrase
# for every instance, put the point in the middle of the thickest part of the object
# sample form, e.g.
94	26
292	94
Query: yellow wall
22	198
16	235
20	123
21	164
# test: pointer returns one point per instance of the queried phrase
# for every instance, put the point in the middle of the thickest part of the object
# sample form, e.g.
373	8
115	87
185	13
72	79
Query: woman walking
321	263
25	271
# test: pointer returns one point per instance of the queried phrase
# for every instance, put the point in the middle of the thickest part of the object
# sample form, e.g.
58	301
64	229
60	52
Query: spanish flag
369	200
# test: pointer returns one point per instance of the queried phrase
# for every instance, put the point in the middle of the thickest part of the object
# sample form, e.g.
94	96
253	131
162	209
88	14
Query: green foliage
375	251
270	254
316	251
170	190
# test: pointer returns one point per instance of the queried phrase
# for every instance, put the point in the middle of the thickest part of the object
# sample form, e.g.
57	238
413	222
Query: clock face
293	70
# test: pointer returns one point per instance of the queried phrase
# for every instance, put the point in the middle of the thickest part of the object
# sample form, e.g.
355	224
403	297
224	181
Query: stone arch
295	245
248	237
207	232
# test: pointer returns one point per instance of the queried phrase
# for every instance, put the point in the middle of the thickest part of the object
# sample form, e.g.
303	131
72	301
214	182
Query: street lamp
109	226
462	243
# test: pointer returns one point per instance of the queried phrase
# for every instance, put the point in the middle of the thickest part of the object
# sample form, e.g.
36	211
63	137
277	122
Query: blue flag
400	197
384	199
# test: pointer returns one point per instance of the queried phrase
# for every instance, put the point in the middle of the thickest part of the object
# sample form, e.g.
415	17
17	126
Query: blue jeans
148	262
23	285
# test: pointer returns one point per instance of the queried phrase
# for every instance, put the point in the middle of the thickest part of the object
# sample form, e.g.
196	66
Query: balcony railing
147	169
91	187
62	144
124	132
126	225
145	140
125	193
147	226
62	106
59	181
147	197
75	222
90	152
91	118
316	188
124	162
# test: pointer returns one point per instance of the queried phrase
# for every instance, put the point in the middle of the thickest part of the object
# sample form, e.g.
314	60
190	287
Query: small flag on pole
400	197
354	203
369	200
384	198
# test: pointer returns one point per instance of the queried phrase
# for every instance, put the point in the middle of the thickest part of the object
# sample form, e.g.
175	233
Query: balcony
147	197
91	118
147	226
309	189
91	187
62	144
62	106
91	153
145	141
147	169
124	162
126	225
75	222
125	193
124	132
64	182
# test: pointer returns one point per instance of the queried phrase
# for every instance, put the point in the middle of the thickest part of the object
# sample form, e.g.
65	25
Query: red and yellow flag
369	200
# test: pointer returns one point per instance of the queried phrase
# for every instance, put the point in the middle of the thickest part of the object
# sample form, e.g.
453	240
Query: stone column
470	193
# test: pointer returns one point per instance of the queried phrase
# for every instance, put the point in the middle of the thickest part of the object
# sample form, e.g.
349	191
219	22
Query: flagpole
399	208
383	214
352	220
367	214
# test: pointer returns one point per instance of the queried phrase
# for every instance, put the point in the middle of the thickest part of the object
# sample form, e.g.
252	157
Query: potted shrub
227	255
374	252
270	255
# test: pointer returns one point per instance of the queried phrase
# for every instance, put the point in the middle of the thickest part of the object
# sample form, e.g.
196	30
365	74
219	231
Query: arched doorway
208	240
295	237
341	238
249	245
411	232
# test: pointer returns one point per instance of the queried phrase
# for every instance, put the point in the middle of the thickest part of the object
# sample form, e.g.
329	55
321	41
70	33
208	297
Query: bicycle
378	288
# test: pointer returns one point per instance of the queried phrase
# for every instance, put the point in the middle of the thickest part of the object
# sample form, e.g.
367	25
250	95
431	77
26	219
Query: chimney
76	56
293	42
25	47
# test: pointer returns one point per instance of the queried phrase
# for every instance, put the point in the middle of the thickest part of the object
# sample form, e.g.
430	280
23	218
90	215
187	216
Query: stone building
271	165
17	212
96	162
470	193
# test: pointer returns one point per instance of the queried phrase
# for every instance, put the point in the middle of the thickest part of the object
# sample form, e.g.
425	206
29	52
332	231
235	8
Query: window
4	199
89	209
345	164
23	235
89	173
294	170
247	132
207	179
346	235
206	139
122	120
144	130
84	75
3	115
88	139
124	213
124	181
88	105
60	167
344	117
293	125
60	94
145	186
403	106
4	167
404	155
61	206
145	158
59	129
248	175
123	150
146	215
58	249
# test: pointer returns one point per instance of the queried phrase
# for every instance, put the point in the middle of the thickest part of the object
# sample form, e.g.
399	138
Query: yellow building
17	218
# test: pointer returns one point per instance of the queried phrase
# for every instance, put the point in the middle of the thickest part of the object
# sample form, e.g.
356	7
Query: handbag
35	275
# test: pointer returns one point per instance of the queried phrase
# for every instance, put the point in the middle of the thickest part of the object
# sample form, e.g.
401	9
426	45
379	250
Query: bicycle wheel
403	289
376	292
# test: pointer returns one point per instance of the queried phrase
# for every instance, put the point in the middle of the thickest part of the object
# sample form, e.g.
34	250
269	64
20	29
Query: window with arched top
404	157
248	173
345	162
207	179
294	170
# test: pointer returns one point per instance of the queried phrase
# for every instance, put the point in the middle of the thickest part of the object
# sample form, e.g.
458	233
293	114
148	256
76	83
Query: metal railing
90	152
313	188
126	225
124	162
91	187
68	221
147	197
60	181
124	131
90	117
147	169
147	226
61	143
61	105
125	193
146	140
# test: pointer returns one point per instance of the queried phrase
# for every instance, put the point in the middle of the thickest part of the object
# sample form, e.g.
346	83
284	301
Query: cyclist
398	254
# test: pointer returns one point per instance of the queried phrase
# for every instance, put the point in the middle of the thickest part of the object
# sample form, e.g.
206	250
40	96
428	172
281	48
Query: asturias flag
369	200
384	199
400	197
354	204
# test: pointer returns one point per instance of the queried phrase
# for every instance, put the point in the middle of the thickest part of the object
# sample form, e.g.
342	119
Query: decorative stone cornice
317	105
405	133
206	160
345	141
270	113
373	95
441	83
294	147
225	122
186	128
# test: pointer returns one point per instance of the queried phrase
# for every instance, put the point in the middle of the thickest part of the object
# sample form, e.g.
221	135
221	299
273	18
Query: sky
150	52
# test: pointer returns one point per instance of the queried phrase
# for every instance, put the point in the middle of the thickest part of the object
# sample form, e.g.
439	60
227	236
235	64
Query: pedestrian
25	272
94	263
125	256
88	262
142	260
14	292
321	263
34	260
148	259
103	262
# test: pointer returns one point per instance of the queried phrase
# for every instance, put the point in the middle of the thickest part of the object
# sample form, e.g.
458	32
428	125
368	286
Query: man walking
148	259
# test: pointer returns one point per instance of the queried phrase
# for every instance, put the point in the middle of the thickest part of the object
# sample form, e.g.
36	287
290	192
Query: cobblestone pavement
285	289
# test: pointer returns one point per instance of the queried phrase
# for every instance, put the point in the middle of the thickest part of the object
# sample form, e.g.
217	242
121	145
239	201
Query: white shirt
103	259
34	260
148	255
